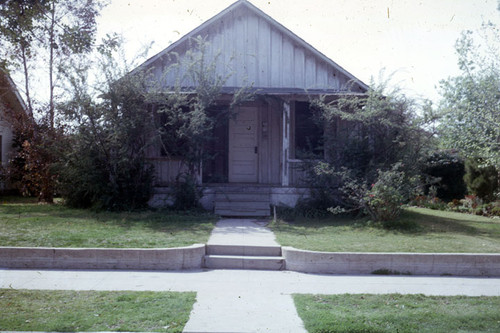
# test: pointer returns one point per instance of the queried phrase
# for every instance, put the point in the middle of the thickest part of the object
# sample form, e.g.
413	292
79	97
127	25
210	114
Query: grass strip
93	311
398	313
30	224
417	230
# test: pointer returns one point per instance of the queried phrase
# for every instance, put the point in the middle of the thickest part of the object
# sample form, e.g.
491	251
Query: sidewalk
243	305
249	294
245	300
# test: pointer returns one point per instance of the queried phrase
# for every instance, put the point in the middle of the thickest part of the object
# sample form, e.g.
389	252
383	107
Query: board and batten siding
251	51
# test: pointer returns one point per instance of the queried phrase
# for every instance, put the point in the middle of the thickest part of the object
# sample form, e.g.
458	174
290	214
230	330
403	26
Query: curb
455	264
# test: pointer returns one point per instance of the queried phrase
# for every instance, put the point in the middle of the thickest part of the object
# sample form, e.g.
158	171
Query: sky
410	41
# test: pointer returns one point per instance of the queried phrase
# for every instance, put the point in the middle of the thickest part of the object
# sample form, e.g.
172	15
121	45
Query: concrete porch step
242	203
241	213
243	250
214	261
242	197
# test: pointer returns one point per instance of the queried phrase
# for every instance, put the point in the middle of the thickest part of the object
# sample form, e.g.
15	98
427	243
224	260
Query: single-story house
10	101
257	154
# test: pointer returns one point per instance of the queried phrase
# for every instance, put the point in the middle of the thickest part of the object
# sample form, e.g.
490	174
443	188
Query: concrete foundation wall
394	263
280	196
190	257
288	196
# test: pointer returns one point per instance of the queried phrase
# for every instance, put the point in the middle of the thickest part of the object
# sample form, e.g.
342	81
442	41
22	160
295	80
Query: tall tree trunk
51	65
26	81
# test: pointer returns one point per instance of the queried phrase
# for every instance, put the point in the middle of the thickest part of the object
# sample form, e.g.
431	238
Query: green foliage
448	169
387	195
104	163
42	34
383	200
469	108
186	194
35	151
481	180
375	139
185	121
372	132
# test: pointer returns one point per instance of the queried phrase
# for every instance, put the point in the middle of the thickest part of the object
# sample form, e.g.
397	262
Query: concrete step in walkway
243	244
244	262
244	250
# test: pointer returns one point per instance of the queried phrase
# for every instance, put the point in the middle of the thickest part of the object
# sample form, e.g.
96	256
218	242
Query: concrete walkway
242	232
244	300
239	306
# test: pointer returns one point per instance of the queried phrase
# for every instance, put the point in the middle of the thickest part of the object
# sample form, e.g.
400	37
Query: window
171	144
308	135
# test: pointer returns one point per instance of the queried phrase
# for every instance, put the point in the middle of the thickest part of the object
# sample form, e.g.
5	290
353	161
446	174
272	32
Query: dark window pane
308	135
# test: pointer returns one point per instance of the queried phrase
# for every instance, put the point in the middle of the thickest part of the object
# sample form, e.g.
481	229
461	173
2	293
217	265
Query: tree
481	181
382	126
185	117
104	164
470	105
374	147
38	39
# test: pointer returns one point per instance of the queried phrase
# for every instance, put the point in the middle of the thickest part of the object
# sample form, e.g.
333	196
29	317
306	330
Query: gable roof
255	49
9	95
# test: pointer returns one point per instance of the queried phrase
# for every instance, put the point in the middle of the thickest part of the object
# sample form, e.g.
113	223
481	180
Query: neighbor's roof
9	95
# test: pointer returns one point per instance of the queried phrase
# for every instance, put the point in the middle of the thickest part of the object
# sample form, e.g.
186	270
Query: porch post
285	174
199	173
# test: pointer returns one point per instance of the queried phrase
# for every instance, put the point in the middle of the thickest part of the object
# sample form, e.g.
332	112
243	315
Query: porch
253	164
238	199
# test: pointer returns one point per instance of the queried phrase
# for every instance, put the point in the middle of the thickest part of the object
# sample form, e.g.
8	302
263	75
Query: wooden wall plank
276	58
299	67
287	63
310	72
264	54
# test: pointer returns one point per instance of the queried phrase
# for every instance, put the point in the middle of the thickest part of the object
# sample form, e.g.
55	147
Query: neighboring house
10	100
257	163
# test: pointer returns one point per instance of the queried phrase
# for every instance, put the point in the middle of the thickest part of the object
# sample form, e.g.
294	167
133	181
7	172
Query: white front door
243	146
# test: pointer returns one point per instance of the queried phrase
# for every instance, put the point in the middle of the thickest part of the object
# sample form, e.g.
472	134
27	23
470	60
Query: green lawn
417	230
94	311
398	313
24	223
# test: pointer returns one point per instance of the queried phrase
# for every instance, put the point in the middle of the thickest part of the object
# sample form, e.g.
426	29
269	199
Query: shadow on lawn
410	222
156	220
450	222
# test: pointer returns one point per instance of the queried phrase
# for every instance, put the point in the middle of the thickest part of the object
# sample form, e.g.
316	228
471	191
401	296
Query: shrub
387	194
186	193
481	181
449	168
325	183
383	200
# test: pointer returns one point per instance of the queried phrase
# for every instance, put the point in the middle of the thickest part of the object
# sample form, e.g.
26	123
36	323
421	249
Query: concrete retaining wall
400	263
190	257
